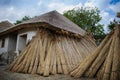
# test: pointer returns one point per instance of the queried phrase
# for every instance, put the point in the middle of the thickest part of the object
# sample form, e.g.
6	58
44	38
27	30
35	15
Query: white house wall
30	35
29	32
12	43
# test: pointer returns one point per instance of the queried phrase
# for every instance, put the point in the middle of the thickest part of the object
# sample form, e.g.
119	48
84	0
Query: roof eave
31	25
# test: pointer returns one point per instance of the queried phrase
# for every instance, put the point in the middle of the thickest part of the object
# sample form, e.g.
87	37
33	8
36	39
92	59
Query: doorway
22	42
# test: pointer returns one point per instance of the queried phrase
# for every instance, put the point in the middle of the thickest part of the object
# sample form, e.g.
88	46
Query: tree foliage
25	18
111	25
87	18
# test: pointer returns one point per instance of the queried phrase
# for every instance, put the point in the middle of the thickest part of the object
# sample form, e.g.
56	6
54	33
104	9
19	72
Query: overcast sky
13	10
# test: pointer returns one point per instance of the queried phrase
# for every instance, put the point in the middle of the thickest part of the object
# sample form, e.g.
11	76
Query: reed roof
5	25
53	19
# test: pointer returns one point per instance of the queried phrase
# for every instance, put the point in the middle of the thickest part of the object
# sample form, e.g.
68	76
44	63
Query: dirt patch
7	75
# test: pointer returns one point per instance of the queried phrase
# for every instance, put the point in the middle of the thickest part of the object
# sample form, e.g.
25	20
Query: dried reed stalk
63	59
33	52
59	65
115	64
48	59
100	58
43	48
36	62
52	53
109	59
80	70
104	62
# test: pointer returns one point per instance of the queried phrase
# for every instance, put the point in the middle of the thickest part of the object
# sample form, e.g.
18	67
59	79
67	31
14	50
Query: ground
7	75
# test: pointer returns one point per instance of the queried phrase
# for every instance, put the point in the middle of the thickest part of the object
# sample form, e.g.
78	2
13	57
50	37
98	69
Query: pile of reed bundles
51	53
104	62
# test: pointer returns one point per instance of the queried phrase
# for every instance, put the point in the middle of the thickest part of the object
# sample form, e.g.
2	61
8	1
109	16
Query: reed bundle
104	62
52	53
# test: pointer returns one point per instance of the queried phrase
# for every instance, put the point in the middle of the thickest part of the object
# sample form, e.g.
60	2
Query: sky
13	10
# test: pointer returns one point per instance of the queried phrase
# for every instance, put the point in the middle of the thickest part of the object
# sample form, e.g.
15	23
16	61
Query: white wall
12	42
5	48
30	34
20	44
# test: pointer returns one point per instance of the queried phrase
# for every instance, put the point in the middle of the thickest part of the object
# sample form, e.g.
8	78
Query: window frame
3	43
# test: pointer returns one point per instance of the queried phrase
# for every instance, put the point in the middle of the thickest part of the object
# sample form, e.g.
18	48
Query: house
58	46
18	36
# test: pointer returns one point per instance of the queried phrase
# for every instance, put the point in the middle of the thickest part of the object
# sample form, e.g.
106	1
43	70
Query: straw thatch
5	25
57	20
53	51
104	62
52	19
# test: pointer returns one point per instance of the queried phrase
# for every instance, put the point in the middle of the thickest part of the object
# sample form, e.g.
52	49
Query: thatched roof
104	62
53	19
5	25
57	20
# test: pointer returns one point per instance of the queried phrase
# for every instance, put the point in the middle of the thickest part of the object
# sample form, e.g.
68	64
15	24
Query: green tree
111	25
25	18
88	19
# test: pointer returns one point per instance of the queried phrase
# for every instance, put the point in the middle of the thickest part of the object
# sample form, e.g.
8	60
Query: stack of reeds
104	62
118	14
52	53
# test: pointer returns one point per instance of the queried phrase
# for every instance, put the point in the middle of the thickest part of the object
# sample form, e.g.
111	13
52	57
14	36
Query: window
3	43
